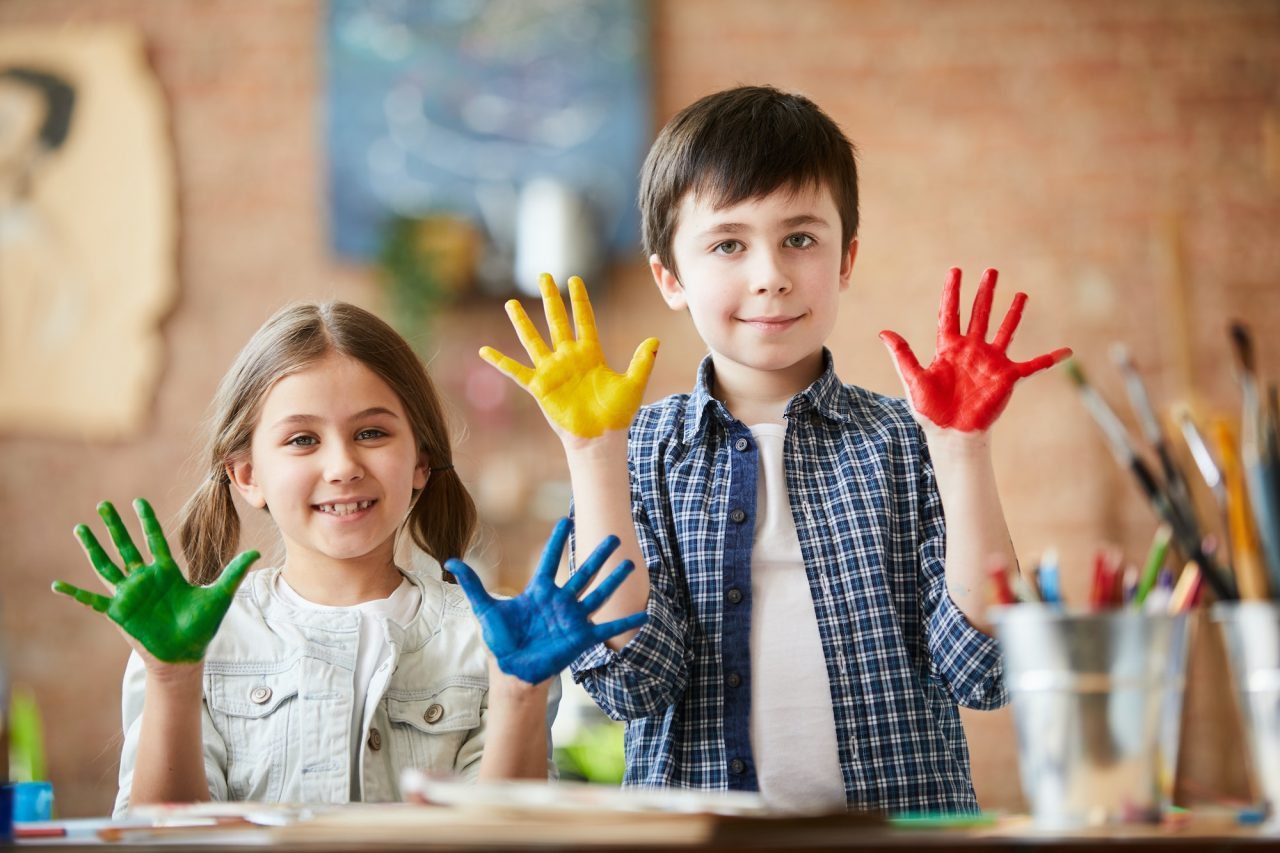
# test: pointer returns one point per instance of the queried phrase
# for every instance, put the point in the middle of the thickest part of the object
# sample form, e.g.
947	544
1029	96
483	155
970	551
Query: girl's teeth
345	509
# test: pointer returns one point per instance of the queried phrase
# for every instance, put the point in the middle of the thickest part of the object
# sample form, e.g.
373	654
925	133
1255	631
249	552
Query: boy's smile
761	280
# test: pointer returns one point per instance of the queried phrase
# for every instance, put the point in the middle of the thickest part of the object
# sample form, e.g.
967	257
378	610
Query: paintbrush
1123	450
1175	482
1251	574
1258	453
1210	470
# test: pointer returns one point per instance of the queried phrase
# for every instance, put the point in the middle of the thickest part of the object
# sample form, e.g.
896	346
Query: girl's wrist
175	678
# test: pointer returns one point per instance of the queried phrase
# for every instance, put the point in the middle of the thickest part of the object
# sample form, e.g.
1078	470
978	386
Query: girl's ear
668	284
421	472
241	476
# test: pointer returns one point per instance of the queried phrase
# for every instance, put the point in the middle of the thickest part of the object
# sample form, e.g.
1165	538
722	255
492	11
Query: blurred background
176	170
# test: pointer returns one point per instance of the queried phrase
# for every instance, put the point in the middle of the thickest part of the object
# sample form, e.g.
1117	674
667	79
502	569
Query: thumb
903	358
642	362
235	572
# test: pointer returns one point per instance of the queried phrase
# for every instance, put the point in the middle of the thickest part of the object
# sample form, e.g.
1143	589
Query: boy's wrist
606	448
957	444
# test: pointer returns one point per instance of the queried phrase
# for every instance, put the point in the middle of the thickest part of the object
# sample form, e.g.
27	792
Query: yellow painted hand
570	380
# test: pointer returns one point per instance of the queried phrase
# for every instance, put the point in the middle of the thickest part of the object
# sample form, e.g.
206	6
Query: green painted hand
570	380
154	604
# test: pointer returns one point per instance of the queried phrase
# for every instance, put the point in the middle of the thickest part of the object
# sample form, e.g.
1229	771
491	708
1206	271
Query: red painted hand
970	381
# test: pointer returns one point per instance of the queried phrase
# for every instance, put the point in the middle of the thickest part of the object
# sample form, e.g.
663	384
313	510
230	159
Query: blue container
32	801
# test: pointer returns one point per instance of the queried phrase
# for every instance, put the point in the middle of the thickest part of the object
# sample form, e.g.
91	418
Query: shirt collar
825	395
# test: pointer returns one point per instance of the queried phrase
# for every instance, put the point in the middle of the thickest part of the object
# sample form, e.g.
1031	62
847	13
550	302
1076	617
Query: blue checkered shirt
900	655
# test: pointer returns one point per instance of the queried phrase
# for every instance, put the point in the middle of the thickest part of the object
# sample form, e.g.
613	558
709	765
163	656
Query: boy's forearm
602	506
169	767
516	730
976	528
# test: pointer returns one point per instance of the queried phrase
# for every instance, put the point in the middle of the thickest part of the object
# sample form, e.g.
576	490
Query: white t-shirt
793	726
373	649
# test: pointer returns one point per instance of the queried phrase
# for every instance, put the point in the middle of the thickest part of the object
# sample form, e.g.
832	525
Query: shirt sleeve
967	660
132	694
650	672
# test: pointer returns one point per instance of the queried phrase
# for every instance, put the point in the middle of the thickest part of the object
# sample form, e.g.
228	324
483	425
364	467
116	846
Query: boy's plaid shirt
900	655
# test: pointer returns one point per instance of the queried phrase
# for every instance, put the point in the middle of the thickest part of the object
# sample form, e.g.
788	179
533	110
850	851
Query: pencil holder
1251	631
1097	703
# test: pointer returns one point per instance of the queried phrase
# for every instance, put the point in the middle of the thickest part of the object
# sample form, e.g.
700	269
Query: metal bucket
1251	630
1097	703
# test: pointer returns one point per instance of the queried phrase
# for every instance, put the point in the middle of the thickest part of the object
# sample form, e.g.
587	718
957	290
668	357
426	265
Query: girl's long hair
442	520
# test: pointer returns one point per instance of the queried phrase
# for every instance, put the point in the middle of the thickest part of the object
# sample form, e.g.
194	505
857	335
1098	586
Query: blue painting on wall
454	106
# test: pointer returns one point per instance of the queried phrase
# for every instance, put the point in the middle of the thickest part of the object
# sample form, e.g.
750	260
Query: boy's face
761	279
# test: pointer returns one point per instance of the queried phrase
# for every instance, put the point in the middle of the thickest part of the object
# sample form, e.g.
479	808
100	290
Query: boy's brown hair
741	144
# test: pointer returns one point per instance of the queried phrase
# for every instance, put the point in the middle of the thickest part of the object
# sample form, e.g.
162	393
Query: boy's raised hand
539	632
171	619
577	391
970	381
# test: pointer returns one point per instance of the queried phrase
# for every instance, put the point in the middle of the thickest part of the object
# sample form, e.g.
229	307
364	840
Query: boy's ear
670	287
241	476
846	264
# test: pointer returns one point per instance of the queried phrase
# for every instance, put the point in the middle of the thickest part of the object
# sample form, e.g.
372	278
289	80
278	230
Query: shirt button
741	444
260	695
734	596
738	516
375	740
433	713
737	766
734	680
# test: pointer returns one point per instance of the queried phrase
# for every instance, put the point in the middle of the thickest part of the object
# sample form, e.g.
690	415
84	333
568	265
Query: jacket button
733	680
738	516
375	740
737	766
433	713
260	695
741	444
734	596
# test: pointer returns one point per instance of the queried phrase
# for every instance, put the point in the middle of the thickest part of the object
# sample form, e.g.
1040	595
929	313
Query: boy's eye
728	247
302	441
366	434
798	241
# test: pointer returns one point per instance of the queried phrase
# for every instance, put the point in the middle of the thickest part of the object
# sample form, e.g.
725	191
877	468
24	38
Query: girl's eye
370	433
798	241
302	441
728	247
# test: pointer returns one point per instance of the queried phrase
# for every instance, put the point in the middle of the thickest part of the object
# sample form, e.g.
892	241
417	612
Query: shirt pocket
429	727
255	712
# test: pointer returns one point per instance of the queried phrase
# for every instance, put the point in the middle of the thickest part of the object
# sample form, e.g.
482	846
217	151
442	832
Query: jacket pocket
430	727
255	714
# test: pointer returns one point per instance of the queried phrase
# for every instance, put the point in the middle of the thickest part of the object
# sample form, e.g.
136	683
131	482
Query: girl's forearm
976	528
170	763
602	507
515	745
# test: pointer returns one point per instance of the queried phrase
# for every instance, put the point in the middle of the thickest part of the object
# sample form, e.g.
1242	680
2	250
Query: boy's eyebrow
789	222
306	419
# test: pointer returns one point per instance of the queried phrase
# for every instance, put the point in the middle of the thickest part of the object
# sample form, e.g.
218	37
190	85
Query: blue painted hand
539	632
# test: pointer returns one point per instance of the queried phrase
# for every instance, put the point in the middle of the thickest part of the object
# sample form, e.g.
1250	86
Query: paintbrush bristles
1242	348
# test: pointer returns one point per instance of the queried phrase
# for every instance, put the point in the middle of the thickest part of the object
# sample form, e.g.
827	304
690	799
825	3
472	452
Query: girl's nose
341	465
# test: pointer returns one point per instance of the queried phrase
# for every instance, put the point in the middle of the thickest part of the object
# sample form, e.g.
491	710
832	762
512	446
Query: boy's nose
769	276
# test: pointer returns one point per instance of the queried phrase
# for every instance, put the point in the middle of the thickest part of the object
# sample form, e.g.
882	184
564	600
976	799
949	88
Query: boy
813	623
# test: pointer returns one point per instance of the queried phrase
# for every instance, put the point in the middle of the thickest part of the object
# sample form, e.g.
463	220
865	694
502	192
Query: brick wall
1118	161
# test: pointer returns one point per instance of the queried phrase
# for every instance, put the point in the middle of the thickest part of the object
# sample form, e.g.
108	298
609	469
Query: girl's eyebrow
292	420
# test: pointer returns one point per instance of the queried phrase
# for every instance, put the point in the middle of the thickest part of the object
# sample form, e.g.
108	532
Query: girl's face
334	460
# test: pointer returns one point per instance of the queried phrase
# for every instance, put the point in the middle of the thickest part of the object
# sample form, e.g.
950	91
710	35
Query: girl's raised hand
970	381
171	619
577	391
539	632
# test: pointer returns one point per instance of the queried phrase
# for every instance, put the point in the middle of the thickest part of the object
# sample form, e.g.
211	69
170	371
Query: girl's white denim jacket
278	696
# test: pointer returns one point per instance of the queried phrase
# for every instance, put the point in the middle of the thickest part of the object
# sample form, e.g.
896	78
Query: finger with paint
154	603
569	378
541	631
970	380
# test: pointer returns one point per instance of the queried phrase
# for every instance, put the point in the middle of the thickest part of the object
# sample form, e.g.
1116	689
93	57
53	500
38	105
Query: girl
339	669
